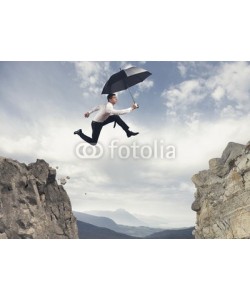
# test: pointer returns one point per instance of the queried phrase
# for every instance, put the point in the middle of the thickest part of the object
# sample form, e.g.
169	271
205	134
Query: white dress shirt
106	110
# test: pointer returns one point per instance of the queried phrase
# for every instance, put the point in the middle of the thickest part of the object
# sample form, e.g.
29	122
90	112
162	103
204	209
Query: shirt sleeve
96	108
110	110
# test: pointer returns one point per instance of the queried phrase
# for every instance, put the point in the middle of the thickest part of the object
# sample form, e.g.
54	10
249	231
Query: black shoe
78	131
130	133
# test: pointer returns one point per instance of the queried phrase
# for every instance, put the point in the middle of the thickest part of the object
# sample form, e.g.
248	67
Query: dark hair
110	96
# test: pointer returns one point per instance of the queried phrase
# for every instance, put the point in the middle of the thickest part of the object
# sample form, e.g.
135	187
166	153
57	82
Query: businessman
106	114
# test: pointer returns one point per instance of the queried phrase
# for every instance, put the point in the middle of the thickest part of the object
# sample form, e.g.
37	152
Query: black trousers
97	127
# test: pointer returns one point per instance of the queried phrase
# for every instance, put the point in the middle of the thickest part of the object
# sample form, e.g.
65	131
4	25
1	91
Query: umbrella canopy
124	79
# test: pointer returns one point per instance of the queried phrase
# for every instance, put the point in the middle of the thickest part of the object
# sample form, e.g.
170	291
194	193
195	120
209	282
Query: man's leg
121	123
118	120
96	130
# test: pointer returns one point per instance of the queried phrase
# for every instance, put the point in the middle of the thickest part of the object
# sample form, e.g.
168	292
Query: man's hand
86	115
135	106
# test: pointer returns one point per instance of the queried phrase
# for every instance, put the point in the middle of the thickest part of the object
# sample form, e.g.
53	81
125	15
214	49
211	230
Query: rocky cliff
222	199
32	204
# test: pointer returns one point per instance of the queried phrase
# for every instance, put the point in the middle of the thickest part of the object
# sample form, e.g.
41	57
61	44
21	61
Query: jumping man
106	114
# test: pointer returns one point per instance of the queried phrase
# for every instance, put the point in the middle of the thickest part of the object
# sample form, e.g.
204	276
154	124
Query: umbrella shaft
131	95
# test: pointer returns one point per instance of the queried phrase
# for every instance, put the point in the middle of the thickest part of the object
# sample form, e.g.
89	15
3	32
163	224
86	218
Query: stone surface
32	204
222	198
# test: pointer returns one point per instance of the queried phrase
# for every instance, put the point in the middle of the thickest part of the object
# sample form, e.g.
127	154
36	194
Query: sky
188	113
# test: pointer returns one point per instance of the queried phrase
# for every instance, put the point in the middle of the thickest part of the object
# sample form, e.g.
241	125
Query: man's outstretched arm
88	113
112	111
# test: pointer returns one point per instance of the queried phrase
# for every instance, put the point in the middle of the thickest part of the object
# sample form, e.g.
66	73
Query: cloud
231	80
218	88
188	93
93	76
126	65
145	85
218	93
231	112
182	69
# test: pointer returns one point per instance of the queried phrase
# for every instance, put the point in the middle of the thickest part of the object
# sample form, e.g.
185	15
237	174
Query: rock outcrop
32	204
222	199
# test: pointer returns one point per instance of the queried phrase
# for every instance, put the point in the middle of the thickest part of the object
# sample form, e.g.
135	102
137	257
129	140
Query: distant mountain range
180	233
94	227
153	221
88	231
97	221
137	231
123	217
120	216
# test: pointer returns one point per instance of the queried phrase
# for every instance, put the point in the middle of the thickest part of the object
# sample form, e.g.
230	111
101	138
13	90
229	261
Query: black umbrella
124	79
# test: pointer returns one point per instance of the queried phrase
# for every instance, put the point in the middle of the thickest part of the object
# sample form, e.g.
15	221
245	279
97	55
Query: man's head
112	98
